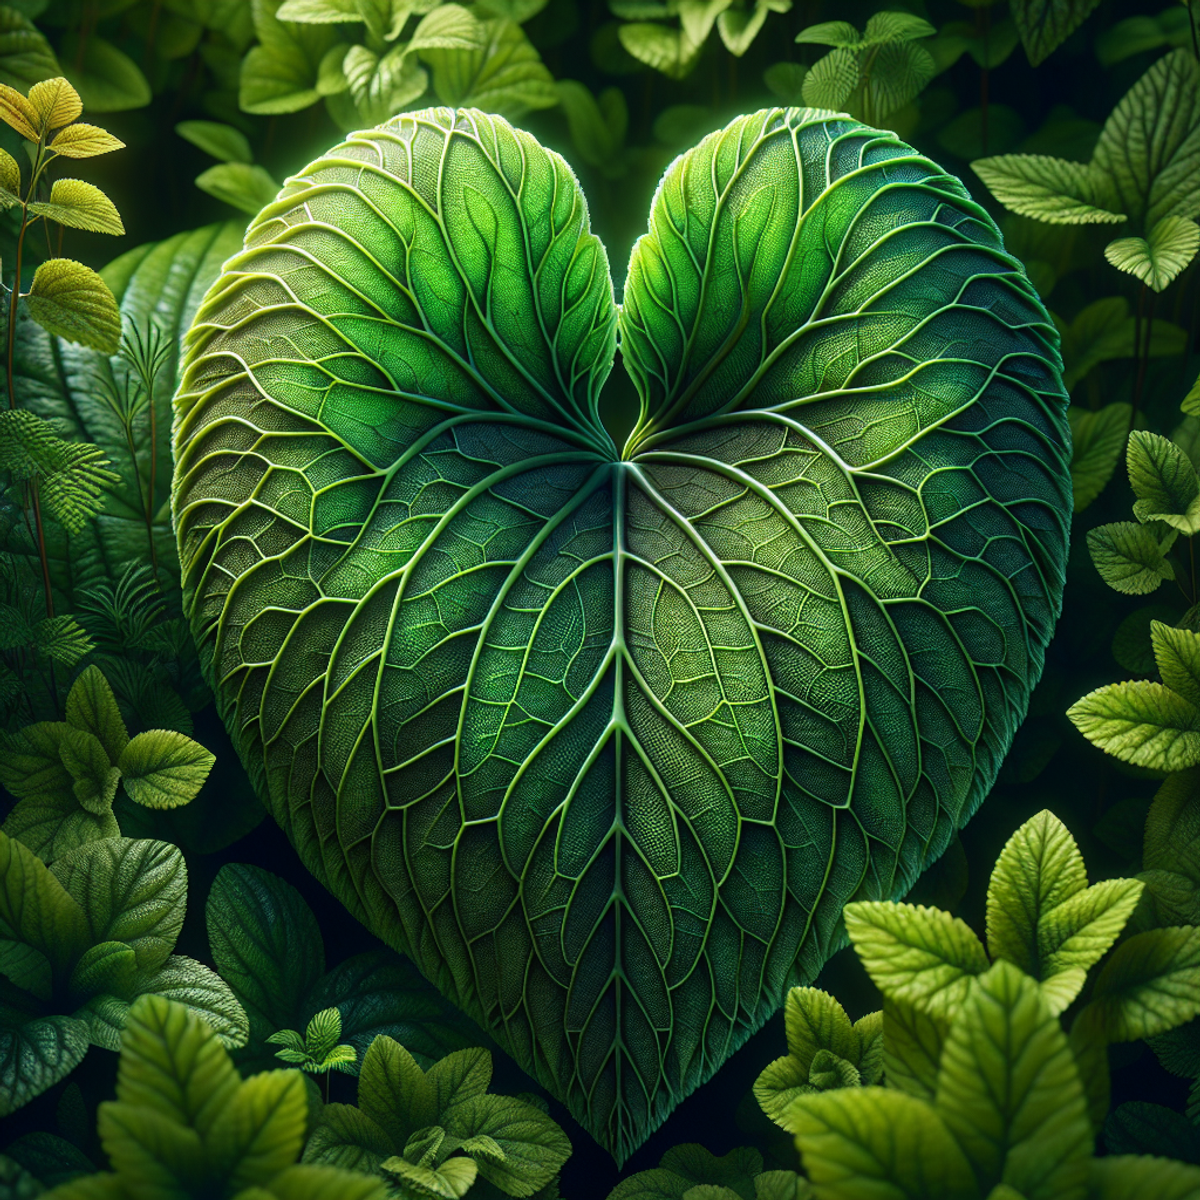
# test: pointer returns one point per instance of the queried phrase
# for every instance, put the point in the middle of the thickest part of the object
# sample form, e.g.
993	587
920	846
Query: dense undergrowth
164	956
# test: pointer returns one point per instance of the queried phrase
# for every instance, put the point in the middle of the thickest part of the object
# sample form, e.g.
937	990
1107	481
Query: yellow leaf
56	103
72	301
84	141
81	206
10	174
16	111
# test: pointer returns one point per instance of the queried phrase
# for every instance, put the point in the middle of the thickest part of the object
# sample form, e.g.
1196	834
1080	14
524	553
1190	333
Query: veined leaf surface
605	740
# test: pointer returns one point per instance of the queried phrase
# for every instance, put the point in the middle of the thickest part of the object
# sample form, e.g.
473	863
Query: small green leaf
30	763
504	74
107	79
1150	983
172	1063
778	1084
132	891
80	205
1164	481
260	1131
920	955
223	142
1047	189
163	768
891	1145
870	1042
204	992
1177	654
56	103
35	1053
1159	259
95	778
1039	868
447	27
160	1153
1077	933
18	113
669	51
1172	829
829	33
1045	24
829	1070
10	176
1097	440
1136	1176
52	825
1009	1092
831	79
247	187
107	967
816	1021
91	706
1130	557
393	1091
279	74
36	909
450	1181
1142	723
84	141
346	1137
72	301
786	81
324	1183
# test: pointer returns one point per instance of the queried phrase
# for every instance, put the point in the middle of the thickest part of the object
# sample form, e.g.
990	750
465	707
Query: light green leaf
1046	24
320	12
107	967
912	1048
869	1030
786	81
393	1091
265	943
829	33
35	1053
778	1084
1150	983
132	891
91	706
887	1141
84	141
163	769
449	1181
56	103
105	1016
246	186
669	51
458	1077
1140	722
325	1183
279	74
831	79
165	1157
1097	439
36	909
534	1145
504	75
10	178
1177	654
173	1063
1076	933
891	27
1160	258
919	955
1039	868
816	1021
1172	841
1047	189
1135	1176
1009	1092
107	79
447	27
260	1131
1129	557
739	27
1150	145
225	143
72	301
1164	481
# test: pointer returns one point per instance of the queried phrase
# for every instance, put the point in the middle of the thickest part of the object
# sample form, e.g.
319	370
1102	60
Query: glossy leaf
621	668
225	143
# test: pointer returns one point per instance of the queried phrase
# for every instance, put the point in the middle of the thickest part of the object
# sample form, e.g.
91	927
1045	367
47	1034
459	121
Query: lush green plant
985	1090
80	941
680	665
267	946
65	774
320	1050
434	1132
691	1172
185	1125
237	178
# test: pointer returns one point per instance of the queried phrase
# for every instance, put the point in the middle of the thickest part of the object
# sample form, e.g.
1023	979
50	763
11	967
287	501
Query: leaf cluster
185	1124
65	774
80	941
985	1094
691	1172
434	1132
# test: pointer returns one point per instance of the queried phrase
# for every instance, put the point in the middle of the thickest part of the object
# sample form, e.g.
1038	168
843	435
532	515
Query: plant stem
1192	19
13	296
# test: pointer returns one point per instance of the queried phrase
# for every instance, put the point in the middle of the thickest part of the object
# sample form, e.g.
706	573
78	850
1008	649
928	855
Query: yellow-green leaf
1177	654
56	103
1160	258
72	301
80	205
10	175
162	768
15	110
84	141
1140	722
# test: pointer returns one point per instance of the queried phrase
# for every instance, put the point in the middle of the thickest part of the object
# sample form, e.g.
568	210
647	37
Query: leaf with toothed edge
604	740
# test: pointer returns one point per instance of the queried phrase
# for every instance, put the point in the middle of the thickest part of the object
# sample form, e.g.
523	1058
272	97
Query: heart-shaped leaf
604	740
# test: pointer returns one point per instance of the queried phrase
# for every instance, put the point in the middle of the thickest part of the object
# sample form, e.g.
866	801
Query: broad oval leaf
604	741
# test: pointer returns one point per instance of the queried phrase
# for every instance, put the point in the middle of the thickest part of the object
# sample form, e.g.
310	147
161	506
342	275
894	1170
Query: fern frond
61	639
121	614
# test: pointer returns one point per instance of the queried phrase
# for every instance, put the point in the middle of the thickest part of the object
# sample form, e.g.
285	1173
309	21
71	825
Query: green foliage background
263	99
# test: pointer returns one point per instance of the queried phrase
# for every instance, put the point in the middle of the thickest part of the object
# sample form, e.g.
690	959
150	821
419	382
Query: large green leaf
605	740
163	281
